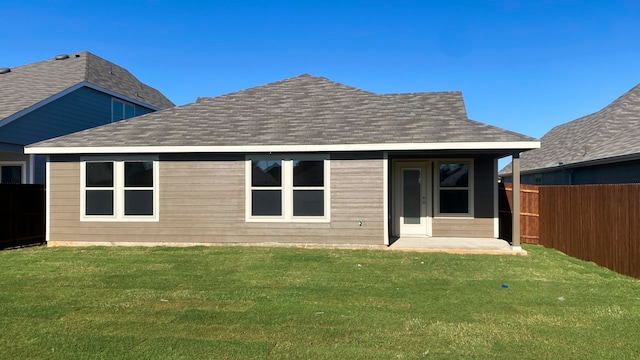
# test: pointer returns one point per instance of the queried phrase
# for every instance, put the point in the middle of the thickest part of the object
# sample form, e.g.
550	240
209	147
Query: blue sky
522	65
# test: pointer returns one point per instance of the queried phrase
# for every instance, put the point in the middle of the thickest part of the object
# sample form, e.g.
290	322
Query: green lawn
259	302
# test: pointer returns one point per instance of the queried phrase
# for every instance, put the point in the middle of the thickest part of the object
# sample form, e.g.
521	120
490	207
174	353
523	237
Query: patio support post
515	236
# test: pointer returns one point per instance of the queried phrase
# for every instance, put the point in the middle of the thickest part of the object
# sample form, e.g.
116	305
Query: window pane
454	175
266	173
138	174
11	174
129	111
99	202
116	111
308	203
138	202
266	203
411	196
454	201
99	174
308	173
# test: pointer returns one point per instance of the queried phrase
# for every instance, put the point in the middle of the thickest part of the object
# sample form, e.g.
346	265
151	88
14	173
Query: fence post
515	237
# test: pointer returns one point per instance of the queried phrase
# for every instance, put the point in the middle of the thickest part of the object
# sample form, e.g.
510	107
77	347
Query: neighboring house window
454	188
121	110
119	189
12	172
286	189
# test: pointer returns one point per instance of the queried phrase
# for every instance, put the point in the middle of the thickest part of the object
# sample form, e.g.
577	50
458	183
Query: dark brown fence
599	223
529	212
22	215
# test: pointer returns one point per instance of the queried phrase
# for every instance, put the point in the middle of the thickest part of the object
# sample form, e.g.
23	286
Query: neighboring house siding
614	173
82	109
39	176
203	200
7	156
547	178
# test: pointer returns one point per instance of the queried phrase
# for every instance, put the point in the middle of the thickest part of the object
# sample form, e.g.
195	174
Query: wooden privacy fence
599	223
529	212
22	214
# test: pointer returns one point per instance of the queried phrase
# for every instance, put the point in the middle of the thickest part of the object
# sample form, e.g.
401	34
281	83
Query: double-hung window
121	110
266	188
288	189
454	188
119	190
308	187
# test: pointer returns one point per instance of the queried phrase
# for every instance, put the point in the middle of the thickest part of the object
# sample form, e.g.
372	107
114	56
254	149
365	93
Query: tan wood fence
529	212
22	215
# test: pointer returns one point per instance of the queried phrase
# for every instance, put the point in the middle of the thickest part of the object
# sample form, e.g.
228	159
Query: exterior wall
614	173
9	156
38	166
16	157
484	188
203	200
463	227
482	224
82	109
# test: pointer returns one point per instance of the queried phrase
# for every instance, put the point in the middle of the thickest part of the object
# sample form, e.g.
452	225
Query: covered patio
456	245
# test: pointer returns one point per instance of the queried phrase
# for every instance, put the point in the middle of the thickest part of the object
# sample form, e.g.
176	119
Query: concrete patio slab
455	245
418	244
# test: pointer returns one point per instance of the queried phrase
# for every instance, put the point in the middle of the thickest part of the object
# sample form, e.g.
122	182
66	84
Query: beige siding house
300	161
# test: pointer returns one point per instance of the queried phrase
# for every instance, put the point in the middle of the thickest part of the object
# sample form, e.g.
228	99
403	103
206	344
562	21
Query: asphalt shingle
613	131
27	85
303	110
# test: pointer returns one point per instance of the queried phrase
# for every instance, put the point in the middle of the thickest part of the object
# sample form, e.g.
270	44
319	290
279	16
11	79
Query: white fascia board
516	145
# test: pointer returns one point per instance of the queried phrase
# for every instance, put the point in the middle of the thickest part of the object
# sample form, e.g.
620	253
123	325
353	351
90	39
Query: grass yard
287	303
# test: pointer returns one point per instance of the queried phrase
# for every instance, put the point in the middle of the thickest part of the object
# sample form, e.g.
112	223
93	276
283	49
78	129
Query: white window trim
23	169
118	190
469	188
287	189
124	104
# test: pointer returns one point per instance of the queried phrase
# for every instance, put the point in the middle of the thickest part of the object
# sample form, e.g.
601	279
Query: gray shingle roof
29	84
303	110
612	132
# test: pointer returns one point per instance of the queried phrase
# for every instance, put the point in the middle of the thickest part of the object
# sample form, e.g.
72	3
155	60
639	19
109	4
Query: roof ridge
86	65
280	82
424	92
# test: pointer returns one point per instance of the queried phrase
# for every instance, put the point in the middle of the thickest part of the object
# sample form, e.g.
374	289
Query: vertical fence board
529	212
22	214
633	232
598	223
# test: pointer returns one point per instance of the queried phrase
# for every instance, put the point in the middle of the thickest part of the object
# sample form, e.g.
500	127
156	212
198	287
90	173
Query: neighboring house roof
303	113
609	135
27	86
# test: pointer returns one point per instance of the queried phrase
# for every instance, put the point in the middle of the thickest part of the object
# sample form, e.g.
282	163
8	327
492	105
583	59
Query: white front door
411	195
